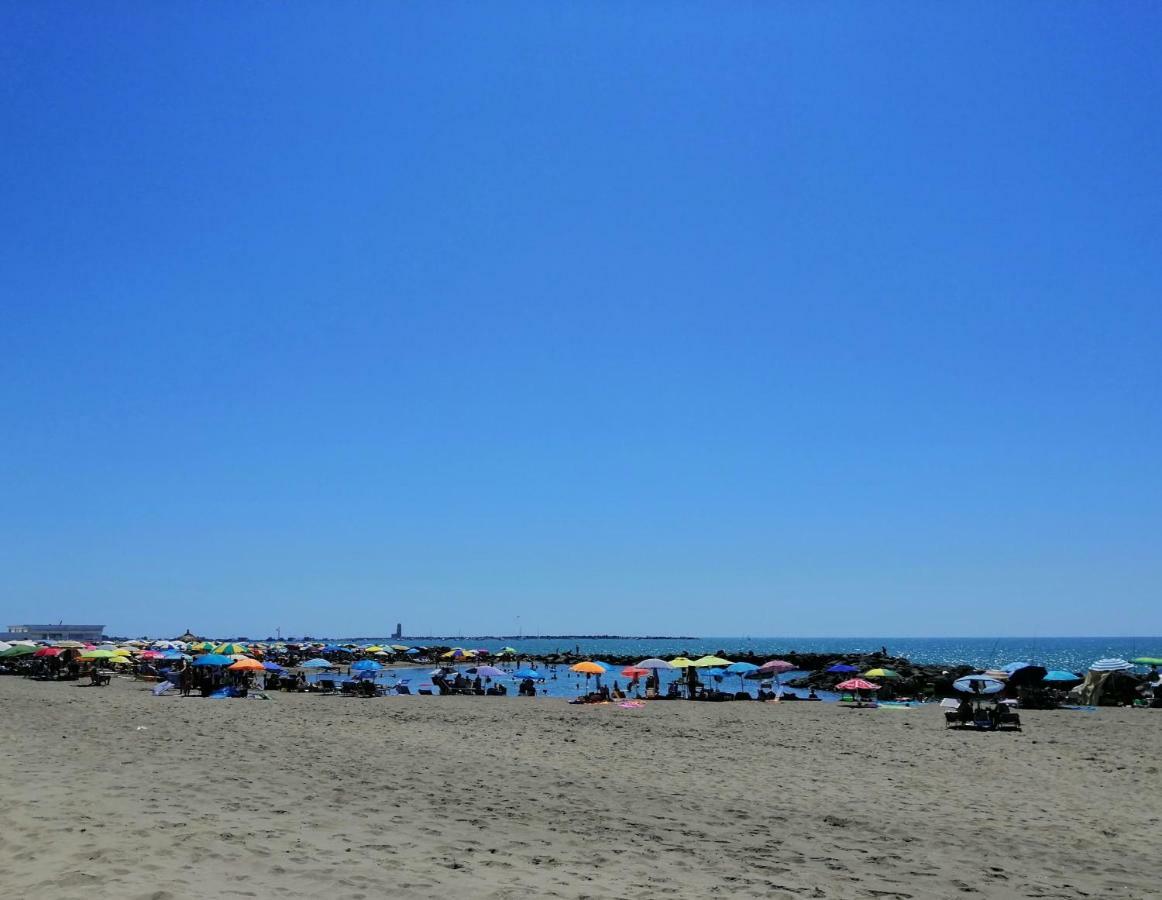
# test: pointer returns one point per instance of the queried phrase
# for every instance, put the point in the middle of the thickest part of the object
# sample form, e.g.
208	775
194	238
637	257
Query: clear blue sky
769	319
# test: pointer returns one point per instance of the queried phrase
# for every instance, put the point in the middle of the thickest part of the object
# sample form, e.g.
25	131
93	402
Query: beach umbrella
399	648
507	651
124	651
1012	667
18	650
412	651
319	663
119	660
1147	660
741	669
151	654
97	654
681	662
366	665
48	651
1059	675
273	667
777	666
705	662
1111	665
174	654
4	645
654	663
213	659
374	648
588	668
526	673
489	672
229	649
246	664
856	684
1025	675
881	673
635	672
69	645
978	684
841	669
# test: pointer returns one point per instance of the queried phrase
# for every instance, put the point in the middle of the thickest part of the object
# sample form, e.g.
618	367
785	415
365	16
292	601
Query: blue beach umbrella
272	667
366	665
318	663
213	659
841	669
741	669
526	673
412	651
1014	666
1059	675
978	684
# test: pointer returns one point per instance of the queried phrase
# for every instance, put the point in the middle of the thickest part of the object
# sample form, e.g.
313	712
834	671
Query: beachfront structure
398	631
59	632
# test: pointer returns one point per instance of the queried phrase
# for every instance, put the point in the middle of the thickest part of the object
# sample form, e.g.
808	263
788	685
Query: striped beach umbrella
1111	665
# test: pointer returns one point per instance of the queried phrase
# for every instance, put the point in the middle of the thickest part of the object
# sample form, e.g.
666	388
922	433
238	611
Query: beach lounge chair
1009	719
327	686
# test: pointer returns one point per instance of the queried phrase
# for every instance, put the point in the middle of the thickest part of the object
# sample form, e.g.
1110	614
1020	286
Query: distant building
61	632
398	631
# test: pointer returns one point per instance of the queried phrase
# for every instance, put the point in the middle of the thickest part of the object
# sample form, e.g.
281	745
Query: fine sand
111	792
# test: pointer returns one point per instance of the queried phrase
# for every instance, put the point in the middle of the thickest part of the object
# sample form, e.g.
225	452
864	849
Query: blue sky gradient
649	318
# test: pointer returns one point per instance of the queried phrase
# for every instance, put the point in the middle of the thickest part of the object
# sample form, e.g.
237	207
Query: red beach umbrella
634	672
856	684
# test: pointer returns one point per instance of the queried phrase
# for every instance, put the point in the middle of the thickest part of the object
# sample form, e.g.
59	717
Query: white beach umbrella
4	646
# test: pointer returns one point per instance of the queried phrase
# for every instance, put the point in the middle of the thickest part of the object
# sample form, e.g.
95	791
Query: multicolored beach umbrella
881	673
230	649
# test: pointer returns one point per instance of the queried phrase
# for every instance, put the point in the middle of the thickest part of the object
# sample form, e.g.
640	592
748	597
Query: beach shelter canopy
705	662
654	663
246	664
1111	665
776	666
856	684
841	669
588	668
213	659
978	684
881	673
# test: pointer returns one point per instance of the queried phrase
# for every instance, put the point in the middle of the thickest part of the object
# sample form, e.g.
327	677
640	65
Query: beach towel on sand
162	687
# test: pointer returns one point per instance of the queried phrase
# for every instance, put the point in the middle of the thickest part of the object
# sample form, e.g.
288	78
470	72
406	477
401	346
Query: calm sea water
1071	653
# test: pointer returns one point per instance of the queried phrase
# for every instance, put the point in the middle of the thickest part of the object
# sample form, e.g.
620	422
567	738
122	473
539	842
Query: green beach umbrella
705	662
1147	660
881	673
230	649
17	650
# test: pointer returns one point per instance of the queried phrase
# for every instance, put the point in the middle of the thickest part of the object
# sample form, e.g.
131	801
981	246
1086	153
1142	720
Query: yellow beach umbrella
123	651
374	649
881	673
681	662
705	662
119	660
399	648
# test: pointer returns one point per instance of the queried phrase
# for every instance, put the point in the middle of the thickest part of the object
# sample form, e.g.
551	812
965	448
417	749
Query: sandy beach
113	792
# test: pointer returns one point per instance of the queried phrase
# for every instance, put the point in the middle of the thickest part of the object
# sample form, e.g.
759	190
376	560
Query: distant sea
1068	653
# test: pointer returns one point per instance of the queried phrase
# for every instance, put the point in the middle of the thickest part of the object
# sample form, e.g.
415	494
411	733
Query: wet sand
114	793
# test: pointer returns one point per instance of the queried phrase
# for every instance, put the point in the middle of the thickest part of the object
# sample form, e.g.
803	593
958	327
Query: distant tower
398	631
